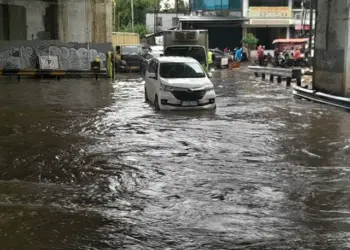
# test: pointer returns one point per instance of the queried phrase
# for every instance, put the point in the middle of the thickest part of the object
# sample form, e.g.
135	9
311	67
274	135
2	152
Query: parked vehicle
189	43
131	55
130	50
178	83
287	45
153	52
221	59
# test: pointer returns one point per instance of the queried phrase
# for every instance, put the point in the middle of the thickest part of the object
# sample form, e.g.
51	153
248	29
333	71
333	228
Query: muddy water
87	165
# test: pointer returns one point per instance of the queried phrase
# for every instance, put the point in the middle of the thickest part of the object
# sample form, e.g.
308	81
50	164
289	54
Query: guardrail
280	73
54	73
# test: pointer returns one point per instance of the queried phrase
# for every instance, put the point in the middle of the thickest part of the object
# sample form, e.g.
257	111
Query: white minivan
178	83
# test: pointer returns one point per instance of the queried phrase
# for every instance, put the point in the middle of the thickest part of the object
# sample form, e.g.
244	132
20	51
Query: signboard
270	12
48	62
302	27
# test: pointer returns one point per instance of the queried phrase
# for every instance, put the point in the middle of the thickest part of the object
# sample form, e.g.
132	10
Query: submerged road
88	165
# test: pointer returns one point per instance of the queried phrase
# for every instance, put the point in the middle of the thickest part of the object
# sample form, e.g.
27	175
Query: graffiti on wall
26	57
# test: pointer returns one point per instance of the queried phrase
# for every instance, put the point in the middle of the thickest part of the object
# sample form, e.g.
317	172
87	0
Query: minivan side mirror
152	75
210	75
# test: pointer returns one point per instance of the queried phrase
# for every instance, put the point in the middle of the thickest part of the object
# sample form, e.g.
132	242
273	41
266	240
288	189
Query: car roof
176	59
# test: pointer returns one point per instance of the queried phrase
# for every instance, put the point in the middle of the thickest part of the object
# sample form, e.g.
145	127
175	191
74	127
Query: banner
270	12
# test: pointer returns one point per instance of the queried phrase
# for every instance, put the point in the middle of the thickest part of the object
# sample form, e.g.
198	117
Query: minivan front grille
189	95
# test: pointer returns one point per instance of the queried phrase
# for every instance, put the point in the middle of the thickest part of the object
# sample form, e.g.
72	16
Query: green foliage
123	12
182	6
250	40
138	28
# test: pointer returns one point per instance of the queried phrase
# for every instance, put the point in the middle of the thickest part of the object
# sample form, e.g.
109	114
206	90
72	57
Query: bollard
271	78
289	80
279	79
298	81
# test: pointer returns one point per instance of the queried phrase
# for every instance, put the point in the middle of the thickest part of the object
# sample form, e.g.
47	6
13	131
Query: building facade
233	19
273	19
76	31
162	21
65	20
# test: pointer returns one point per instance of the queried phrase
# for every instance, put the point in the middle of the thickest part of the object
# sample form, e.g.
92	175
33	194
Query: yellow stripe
57	73
27	73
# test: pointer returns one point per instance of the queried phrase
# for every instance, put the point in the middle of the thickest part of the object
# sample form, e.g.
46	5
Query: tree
175	5
250	40
123	12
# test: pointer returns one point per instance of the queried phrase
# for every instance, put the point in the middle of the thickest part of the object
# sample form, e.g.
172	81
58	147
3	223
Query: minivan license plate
189	103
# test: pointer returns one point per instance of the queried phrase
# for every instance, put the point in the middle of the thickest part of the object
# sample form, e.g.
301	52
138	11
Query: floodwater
90	165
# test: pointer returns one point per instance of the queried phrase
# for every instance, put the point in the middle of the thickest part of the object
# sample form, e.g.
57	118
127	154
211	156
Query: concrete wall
24	54
332	48
77	20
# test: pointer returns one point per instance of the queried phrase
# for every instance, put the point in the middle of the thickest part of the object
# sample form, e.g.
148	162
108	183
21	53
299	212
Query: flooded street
90	165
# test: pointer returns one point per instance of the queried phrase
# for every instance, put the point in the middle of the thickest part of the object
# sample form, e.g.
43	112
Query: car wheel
156	103
146	96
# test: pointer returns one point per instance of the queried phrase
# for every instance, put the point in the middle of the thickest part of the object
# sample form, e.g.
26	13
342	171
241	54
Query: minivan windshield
181	70
125	50
197	53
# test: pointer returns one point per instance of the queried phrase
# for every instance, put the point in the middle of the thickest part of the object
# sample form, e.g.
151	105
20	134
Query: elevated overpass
332	47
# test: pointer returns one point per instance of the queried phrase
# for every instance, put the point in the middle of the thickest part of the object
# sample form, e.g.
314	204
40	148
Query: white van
178	83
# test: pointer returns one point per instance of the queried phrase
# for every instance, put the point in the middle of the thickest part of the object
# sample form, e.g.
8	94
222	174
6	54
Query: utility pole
311	23
132	15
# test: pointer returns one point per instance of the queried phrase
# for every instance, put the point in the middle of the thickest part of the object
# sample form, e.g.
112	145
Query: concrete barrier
58	73
280	73
316	96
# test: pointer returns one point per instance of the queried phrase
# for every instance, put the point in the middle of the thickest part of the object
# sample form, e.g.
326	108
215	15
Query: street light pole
132	15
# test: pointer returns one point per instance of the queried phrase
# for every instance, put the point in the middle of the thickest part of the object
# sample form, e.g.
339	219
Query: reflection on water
90	165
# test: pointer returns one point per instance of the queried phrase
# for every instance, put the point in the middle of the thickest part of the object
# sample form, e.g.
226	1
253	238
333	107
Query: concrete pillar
332	48
288	33
244	31
245	6
290	4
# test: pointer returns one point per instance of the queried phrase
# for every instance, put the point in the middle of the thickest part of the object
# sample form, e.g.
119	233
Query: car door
151	82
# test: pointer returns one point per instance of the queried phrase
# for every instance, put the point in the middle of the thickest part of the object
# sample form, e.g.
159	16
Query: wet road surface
88	165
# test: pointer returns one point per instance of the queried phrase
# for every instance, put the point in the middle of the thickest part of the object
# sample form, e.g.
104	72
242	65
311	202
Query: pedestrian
210	59
260	53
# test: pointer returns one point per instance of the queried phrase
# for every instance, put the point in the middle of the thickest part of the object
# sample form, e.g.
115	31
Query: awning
291	40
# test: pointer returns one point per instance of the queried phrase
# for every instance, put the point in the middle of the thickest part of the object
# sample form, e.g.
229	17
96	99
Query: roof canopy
212	19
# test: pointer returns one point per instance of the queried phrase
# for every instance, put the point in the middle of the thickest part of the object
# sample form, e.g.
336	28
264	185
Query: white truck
191	43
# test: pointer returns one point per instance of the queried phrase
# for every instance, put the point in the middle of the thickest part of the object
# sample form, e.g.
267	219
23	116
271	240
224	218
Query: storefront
269	23
223	31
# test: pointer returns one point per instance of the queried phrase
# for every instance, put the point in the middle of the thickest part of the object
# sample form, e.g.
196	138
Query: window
297	4
153	66
159	21
175	21
126	50
181	70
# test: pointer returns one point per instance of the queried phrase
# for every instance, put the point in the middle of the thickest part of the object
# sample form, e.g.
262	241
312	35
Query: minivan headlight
164	87
209	87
